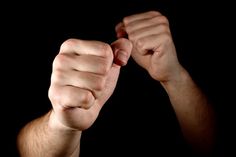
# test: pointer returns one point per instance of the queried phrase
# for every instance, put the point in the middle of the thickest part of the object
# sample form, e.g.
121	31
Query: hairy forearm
194	112
39	139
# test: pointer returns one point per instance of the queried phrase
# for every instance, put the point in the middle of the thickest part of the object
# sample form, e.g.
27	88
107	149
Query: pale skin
85	74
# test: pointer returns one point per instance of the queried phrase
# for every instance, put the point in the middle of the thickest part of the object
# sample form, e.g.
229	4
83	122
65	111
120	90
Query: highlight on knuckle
59	61
153	13
125	20
68	43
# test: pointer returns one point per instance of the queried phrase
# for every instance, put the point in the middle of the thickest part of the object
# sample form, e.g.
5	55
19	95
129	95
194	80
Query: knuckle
105	67
140	44
106	49
86	99
53	95
100	83
68	98
132	36
67	44
160	19
163	19
59	61
164	28
125	20
128	29
57	76
64	98
153	13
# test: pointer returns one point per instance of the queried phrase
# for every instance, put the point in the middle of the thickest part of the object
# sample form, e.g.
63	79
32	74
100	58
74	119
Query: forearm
193	111
39	139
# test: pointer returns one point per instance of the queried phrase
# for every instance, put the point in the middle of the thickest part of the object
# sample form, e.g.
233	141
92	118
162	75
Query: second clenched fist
153	47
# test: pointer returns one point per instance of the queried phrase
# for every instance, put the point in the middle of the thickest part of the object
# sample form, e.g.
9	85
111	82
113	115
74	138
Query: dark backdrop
138	118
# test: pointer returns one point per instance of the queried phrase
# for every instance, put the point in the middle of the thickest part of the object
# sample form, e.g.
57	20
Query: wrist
176	81
54	124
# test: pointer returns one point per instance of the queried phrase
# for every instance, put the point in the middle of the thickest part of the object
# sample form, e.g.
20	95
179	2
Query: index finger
86	47
140	16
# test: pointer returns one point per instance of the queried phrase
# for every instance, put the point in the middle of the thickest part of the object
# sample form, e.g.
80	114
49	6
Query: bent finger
122	49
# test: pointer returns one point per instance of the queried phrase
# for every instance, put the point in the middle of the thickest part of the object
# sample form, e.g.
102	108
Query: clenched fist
84	76
153	47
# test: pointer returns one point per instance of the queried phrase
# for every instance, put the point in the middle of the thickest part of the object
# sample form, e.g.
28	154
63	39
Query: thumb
122	49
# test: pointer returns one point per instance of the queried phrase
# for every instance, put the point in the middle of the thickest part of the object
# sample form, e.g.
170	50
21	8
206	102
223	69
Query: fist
83	78
153	47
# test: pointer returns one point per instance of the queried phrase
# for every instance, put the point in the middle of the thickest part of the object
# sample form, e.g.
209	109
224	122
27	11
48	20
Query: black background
138	118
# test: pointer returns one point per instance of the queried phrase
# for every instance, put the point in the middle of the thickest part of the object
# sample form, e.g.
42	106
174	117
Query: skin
85	74
154	50
84	77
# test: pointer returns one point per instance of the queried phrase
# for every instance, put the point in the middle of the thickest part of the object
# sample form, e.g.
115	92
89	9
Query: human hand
83	78
153	47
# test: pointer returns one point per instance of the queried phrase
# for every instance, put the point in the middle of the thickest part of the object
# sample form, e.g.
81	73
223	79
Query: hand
83	78
153	48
